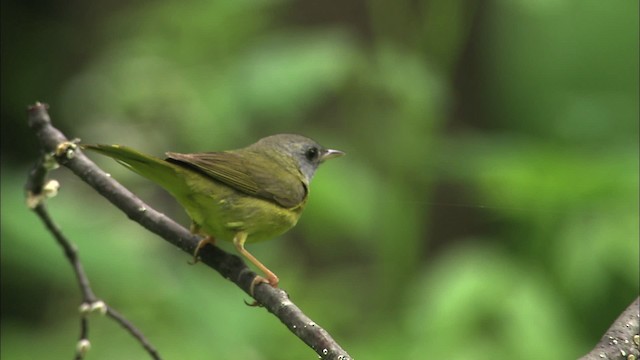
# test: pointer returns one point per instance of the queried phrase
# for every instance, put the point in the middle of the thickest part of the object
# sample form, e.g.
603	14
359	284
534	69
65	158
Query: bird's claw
258	280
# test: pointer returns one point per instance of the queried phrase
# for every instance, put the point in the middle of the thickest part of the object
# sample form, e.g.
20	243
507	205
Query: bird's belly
224	213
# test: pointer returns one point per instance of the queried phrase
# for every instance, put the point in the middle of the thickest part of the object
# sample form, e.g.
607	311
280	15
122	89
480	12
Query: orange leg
270	279
208	239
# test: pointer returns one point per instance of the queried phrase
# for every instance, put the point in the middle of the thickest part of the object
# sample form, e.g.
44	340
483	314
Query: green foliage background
487	208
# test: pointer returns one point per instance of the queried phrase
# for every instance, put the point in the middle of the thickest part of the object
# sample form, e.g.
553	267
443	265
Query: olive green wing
258	176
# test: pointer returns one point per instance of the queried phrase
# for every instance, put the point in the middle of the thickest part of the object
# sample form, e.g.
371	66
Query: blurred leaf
489	307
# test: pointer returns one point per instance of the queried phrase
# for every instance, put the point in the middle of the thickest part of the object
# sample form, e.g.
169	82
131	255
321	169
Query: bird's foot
271	280
202	243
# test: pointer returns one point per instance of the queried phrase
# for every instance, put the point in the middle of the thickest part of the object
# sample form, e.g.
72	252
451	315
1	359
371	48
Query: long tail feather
157	170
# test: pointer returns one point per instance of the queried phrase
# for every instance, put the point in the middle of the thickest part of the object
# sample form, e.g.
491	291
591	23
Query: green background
487	207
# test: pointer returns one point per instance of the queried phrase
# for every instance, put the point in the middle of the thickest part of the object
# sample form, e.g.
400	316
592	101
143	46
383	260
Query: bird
244	196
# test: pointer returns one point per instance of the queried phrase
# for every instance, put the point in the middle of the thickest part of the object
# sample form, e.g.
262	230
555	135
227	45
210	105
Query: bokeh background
487	208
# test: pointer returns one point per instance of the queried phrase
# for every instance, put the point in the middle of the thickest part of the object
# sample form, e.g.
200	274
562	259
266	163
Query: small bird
244	196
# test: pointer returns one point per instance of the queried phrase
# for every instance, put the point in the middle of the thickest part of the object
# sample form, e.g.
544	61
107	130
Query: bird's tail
157	170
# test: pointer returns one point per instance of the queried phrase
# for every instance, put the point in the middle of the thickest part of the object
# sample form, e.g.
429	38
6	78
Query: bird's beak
330	154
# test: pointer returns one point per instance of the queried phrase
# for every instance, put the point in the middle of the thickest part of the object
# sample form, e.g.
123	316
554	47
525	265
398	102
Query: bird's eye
312	154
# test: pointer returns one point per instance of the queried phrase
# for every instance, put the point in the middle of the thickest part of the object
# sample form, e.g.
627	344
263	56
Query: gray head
306	154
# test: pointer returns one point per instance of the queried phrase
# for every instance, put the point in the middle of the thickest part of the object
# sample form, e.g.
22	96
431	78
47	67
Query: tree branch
622	339
37	191
229	266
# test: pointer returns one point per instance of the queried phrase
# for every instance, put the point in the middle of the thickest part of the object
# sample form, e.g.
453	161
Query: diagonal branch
229	266
622	339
